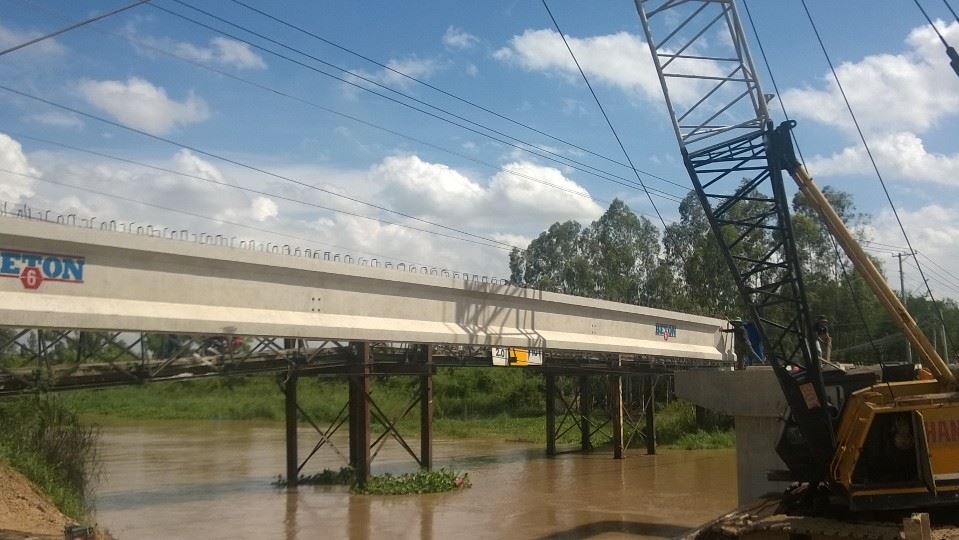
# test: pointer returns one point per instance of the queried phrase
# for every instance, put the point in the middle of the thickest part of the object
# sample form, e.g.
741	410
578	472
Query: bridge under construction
87	308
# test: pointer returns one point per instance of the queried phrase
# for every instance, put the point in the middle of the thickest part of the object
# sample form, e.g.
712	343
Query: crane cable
835	245
875	167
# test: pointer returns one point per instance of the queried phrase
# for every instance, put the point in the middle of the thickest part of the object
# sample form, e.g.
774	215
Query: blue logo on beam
34	268
666	330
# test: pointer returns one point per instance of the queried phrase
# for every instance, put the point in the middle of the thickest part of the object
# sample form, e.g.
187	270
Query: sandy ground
24	512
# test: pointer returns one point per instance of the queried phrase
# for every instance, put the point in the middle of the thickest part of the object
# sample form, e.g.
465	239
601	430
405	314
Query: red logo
31	277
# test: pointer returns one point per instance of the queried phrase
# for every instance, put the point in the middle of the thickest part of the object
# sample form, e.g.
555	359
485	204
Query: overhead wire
605	116
141	43
949	7
872	159
242	188
70	27
493	134
931	23
447	93
248	166
839	260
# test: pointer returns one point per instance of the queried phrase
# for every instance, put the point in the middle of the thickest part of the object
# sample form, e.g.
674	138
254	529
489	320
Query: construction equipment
849	440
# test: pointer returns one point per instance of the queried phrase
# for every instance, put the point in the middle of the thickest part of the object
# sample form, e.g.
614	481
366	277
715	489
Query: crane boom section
731	151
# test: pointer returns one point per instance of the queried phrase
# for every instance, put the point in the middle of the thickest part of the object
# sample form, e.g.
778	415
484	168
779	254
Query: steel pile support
359	413
550	414
585	409
650	414
426	409
616	409
292	460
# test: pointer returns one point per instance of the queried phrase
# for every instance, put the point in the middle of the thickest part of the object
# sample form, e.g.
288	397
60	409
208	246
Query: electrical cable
417	80
605	116
224	73
872	160
949	7
932	24
242	188
539	152
248	166
835	245
72	26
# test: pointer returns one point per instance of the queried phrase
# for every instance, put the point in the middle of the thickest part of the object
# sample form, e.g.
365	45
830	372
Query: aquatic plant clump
418	482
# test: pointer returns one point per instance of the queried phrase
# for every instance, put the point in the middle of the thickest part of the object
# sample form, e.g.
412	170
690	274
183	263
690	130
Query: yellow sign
516	356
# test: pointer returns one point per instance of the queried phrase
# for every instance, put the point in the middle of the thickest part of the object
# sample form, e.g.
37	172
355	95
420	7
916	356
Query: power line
605	116
518	144
248	166
932	24
872	160
244	188
440	90
949	6
835	245
313	104
72	26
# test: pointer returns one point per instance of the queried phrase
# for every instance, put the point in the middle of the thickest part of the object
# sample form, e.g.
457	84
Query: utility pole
902	294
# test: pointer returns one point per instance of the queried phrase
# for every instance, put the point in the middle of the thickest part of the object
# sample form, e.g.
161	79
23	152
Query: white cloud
516	198
912	90
897	97
223	51
419	68
431	188
263	208
140	104
10	38
58	119
621	60
457	38
13	187
934	233
902	155
472	70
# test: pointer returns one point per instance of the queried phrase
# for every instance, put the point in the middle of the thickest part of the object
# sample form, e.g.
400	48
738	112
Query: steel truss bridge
86	308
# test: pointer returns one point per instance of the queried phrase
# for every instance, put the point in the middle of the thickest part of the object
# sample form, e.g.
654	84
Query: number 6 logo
31	277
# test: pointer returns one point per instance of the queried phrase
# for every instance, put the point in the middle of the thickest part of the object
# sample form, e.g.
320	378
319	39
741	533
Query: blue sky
501	55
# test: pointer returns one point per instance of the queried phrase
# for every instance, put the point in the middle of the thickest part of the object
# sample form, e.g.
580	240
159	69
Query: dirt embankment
24	511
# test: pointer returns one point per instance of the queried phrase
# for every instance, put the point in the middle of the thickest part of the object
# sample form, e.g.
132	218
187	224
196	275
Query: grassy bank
476	403
49	445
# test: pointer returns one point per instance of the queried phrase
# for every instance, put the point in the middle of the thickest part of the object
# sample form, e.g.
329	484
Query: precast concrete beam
140	283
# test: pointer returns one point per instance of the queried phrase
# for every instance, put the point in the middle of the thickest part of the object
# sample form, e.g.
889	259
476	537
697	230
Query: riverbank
24	510
477	404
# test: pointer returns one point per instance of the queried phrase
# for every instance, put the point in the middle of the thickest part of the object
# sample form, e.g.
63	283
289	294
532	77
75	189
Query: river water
189	479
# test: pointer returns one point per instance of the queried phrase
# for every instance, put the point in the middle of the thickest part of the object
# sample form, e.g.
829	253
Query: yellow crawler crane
850	442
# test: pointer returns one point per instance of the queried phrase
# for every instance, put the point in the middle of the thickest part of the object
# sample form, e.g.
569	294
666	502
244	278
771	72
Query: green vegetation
47	443
492	403
418	482
387	484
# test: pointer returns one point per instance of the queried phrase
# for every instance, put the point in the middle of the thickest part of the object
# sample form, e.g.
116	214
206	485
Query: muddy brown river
212	480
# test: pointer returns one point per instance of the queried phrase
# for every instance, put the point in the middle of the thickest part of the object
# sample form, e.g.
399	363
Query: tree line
623	257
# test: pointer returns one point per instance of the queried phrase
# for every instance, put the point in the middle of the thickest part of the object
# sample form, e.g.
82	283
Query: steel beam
140	283
650	414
